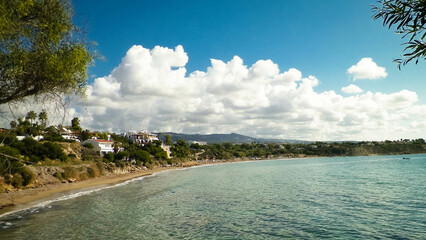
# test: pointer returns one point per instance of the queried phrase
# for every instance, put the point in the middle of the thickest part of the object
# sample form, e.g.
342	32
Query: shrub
120	164
93	171
87	158
27	175
100	166
141	156
70	172
119	156
34	158
83	176
17	180
2	185
58	175
55	151
109	157
89	145
8	138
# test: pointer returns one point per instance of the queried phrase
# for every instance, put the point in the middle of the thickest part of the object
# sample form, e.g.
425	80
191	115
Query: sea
367	197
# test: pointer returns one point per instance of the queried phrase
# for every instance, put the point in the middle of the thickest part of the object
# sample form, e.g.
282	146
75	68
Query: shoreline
25	198
29	197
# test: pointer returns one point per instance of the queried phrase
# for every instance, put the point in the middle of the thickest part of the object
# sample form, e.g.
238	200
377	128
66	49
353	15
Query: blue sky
314	70
320	38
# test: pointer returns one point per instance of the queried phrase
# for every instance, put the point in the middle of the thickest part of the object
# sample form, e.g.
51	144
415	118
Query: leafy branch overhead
40	51
409	19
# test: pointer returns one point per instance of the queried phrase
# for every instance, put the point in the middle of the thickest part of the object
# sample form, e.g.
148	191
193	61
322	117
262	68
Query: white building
100	145
142	137
69	135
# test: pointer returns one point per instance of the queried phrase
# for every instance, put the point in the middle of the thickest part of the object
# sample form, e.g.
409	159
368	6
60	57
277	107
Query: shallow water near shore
339	198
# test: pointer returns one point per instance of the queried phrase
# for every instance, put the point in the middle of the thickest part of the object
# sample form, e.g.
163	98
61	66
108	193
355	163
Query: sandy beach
27	197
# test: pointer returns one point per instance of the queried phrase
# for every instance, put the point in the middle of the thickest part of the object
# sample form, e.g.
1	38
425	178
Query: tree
409	18
31	115
168	140
75	124
43	118
180	149
41	54
84	135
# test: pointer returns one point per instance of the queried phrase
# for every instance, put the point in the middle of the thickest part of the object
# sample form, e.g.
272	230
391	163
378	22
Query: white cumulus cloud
366	69
151	89
351	89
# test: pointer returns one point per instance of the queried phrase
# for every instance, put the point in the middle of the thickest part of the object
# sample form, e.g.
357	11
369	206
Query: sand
27	197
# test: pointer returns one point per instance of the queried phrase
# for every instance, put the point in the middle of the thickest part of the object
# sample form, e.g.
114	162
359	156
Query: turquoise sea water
380	197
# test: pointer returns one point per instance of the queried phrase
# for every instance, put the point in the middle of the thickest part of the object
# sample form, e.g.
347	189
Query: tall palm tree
31	115
43	118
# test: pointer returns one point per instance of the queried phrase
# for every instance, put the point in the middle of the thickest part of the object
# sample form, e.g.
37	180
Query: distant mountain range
221	138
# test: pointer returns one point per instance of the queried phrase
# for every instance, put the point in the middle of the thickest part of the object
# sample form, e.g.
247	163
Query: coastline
29	197
24	198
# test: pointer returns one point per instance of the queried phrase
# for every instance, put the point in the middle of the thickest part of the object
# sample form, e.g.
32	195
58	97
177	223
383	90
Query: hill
222	138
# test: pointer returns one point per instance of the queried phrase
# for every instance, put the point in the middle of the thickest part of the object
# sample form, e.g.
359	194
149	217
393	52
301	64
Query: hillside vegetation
53	159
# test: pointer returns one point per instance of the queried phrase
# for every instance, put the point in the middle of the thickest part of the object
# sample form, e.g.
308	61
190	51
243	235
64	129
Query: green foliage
86	157
84	135
14	170
120	156
27	175
39	152
15	180
55	151
109	157
141	156
119	138
155	149
27	125
54	137
8	138
75	124
168	141
408	17
31	116
88	145
42	116
180	149
93	171
40	52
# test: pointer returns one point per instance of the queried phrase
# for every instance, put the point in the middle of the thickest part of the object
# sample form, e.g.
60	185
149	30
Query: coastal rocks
73	149
45	175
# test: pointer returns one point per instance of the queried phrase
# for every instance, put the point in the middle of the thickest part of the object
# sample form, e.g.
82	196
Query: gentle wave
34	208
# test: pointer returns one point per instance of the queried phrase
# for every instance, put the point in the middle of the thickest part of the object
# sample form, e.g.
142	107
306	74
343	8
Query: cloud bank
367	69
151	89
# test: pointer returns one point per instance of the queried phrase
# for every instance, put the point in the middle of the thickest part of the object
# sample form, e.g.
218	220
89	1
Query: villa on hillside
142	137
101	146
68	134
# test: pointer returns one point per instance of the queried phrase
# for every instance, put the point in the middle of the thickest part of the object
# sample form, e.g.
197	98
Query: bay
374	197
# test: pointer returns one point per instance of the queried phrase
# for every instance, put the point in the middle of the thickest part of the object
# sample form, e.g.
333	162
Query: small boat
405	158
